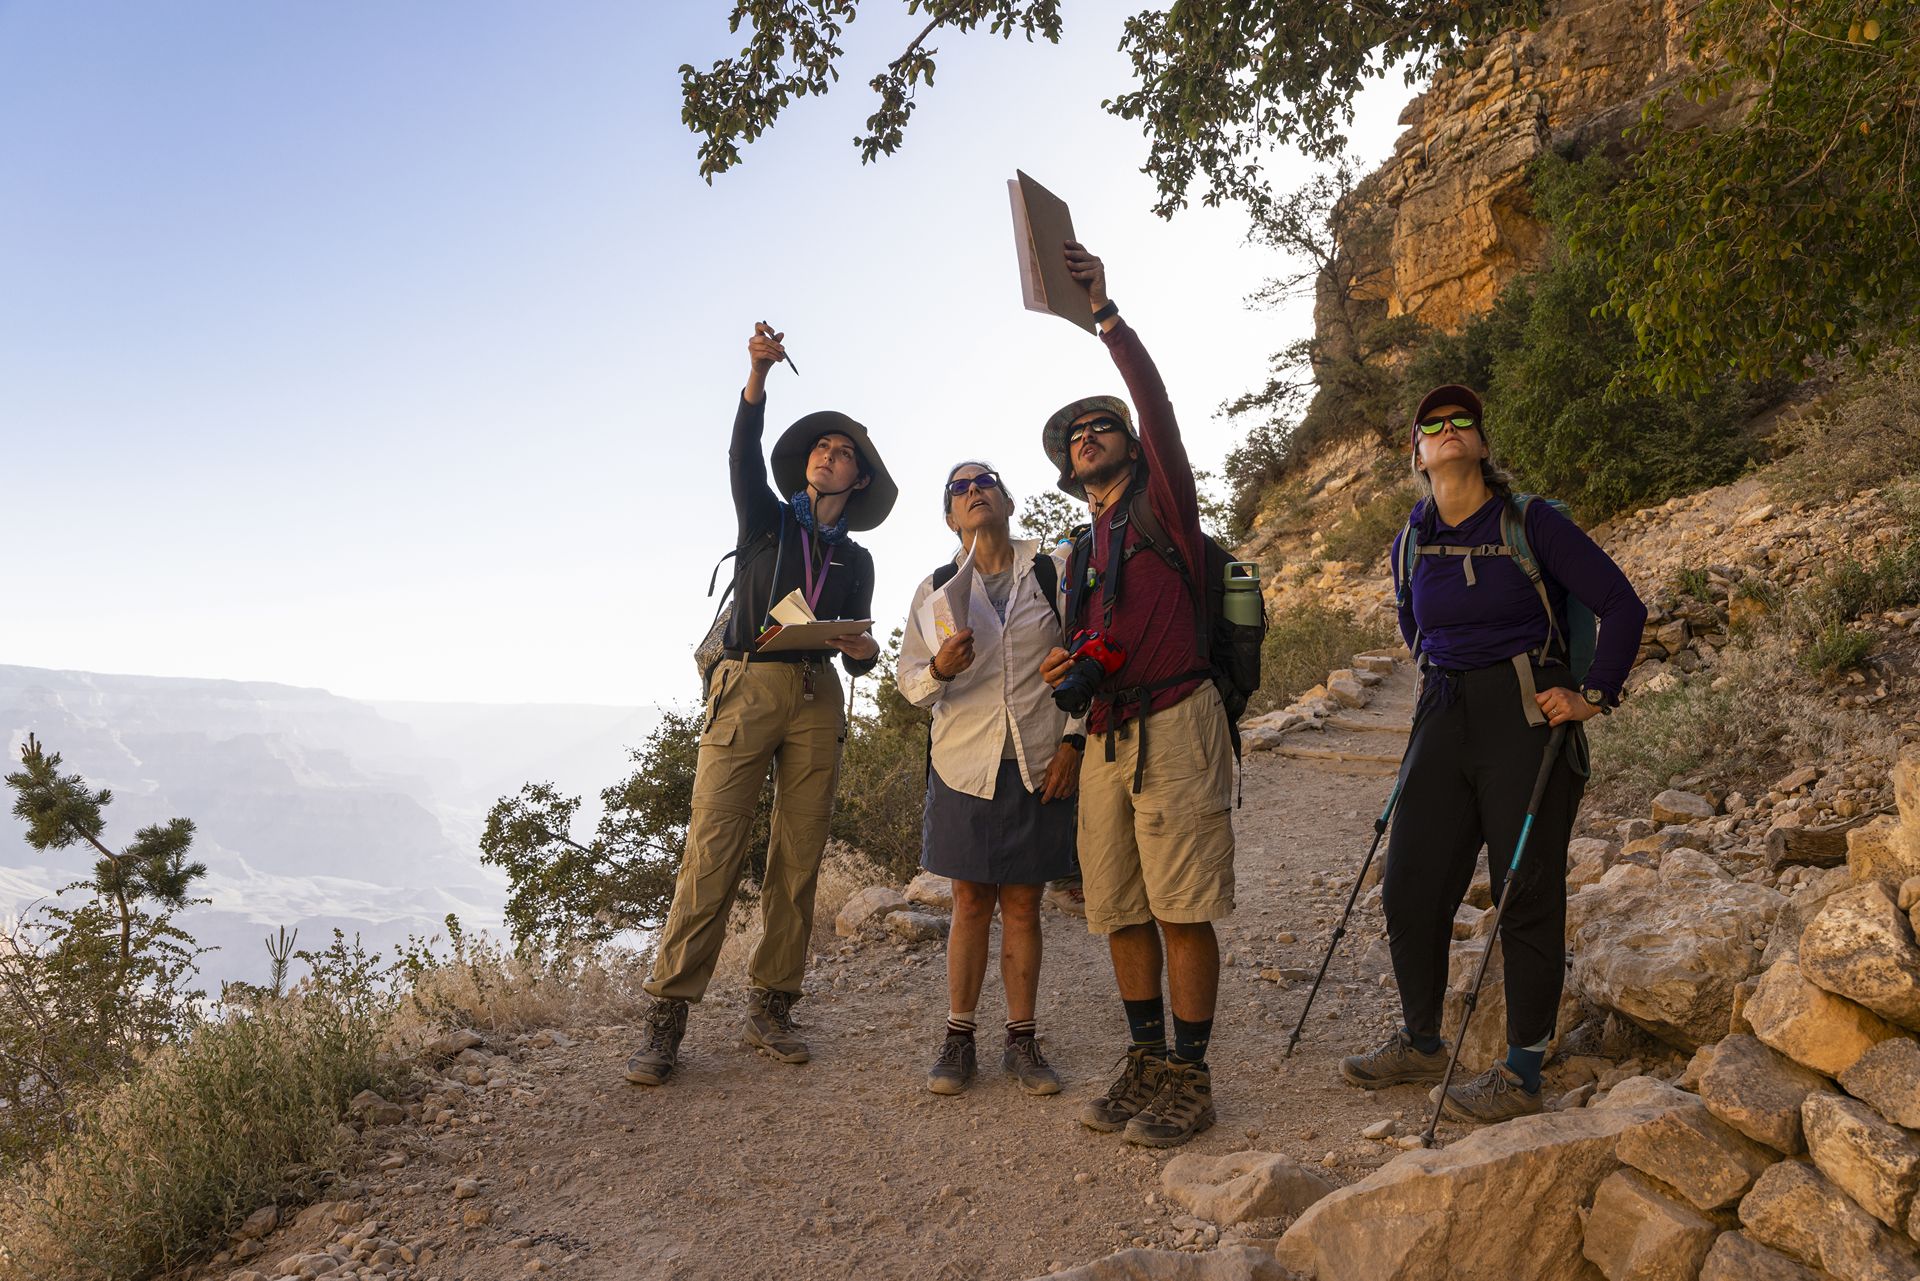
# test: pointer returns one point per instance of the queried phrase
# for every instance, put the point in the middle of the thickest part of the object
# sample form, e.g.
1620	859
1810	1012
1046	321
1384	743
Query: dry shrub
487	987
206	1131
1753	717
1303	644
844	872
1859	438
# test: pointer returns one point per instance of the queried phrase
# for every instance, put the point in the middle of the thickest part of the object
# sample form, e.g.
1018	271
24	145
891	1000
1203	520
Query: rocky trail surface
847	1167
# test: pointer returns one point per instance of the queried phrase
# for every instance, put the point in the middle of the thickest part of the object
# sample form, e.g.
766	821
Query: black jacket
762	517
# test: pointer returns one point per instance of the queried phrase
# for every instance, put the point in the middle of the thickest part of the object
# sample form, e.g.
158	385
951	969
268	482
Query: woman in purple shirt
1496	680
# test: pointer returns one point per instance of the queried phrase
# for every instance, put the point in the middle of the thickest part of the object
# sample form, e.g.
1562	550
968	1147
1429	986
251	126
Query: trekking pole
1339	931
1555	741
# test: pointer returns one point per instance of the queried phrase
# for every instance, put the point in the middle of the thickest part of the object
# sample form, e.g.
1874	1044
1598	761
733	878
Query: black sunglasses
985	480
1459	422
1098	427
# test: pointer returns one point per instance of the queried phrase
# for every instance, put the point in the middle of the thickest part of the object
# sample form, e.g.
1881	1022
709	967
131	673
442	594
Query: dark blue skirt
1010	840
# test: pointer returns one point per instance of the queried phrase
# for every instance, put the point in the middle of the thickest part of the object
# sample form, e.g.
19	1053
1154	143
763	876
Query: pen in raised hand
784	356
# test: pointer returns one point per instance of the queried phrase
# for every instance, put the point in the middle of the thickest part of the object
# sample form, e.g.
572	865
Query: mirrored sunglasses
1099	427
1459	422
985	480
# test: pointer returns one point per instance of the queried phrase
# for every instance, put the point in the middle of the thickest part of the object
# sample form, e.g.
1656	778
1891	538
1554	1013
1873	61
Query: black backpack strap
944	575
1047	575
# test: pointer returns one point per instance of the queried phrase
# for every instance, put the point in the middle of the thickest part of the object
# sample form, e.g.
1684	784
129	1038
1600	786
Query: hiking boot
1023	1059
769	1026
953	1071
1182	1109
665	1024
1396	1062
1495	1095
1136	1086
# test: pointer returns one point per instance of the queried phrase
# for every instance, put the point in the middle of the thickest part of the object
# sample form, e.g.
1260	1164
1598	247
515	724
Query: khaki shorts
1165	853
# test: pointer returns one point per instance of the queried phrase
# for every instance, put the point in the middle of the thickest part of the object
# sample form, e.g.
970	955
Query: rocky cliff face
1439	229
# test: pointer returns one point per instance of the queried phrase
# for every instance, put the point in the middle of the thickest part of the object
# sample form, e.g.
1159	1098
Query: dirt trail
847	1167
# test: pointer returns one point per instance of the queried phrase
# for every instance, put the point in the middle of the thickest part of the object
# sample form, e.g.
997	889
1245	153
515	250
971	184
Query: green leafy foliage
561	891
1790	233
883	774
1303	644
1218	83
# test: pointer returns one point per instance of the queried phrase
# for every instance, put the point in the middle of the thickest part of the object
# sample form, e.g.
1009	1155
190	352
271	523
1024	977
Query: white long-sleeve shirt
1002	693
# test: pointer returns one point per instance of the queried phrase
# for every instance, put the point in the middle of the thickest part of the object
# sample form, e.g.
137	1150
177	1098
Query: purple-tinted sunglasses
985	480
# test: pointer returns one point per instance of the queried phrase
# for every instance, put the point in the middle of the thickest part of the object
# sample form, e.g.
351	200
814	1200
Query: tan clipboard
1042	225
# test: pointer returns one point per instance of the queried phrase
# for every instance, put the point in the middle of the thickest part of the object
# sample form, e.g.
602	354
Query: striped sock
1017	1028
959	1024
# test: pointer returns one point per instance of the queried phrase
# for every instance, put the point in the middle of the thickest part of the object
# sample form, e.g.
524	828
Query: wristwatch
1596	698
1078	742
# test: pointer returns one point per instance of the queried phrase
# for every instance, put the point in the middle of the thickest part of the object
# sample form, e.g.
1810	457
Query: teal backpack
1583	629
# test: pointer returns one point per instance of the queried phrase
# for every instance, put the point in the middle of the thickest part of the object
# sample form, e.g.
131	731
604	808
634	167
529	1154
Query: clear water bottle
1242	604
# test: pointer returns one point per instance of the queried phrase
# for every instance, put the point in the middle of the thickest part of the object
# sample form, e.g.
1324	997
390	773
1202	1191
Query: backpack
1575	647
1229	651
713	646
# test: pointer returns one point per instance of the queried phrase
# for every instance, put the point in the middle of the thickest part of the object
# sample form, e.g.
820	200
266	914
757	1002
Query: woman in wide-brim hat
783	710
1498	676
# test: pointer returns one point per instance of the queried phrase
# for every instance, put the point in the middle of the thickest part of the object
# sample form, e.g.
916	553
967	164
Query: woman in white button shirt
1005	767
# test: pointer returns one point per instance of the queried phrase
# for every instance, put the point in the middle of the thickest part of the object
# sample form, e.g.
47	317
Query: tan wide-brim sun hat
866	508
1054	436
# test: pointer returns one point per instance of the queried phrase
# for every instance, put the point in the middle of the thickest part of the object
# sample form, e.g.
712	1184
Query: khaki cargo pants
757	713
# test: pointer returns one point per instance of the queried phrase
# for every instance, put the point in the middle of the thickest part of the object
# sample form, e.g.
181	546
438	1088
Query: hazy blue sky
392	347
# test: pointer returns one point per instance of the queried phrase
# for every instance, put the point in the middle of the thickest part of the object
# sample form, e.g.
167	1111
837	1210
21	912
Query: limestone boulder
1811	1025
1874	1162
917	927
1805	903
1676	806
867	909
1241	1185
1638	1232
1758	1092
1228	1263
1887	1078
1861	946
1666	949
1697	1154
1798	1211
1425	1214
1738	1257
930	890
1877	851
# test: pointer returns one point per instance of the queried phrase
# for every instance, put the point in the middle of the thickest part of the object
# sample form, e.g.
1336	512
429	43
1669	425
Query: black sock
1017	1028
1427	1044
1190	1039
1147	1022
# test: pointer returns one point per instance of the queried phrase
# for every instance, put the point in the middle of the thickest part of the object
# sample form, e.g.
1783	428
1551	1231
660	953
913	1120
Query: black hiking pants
1470	769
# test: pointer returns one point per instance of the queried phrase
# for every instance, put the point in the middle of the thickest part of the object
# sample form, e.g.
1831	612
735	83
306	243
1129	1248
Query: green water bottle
1243	604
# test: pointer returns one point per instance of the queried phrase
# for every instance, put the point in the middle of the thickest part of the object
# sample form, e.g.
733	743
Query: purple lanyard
813	589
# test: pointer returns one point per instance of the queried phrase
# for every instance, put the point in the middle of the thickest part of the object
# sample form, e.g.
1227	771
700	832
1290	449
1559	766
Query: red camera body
1100	647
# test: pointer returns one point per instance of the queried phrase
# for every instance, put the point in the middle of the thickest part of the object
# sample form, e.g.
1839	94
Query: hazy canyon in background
313	810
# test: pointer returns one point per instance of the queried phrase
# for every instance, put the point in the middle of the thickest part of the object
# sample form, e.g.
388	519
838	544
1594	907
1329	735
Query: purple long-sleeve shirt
1465	627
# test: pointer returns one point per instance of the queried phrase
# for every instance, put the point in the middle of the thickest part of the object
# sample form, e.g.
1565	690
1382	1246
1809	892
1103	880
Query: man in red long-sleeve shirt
1155	827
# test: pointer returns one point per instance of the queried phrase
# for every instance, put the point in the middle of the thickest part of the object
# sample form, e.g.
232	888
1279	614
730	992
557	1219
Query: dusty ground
847	1167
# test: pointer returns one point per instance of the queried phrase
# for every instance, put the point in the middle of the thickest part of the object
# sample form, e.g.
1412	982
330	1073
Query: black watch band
1107	312
1076	741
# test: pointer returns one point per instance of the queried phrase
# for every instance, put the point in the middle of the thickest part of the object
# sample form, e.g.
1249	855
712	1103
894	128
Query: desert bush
1303	644
1864	435
1758	716
235	1114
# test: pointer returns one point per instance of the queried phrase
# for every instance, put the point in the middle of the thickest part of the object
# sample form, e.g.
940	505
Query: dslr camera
1096	656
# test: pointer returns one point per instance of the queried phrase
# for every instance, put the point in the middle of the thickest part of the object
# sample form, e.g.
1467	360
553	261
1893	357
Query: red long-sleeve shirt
1153	620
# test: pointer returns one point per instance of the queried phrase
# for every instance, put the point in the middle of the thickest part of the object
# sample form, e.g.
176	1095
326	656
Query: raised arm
1170	484
755	505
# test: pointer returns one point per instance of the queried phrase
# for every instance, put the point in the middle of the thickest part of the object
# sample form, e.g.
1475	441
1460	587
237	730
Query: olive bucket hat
1054	436
866	508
